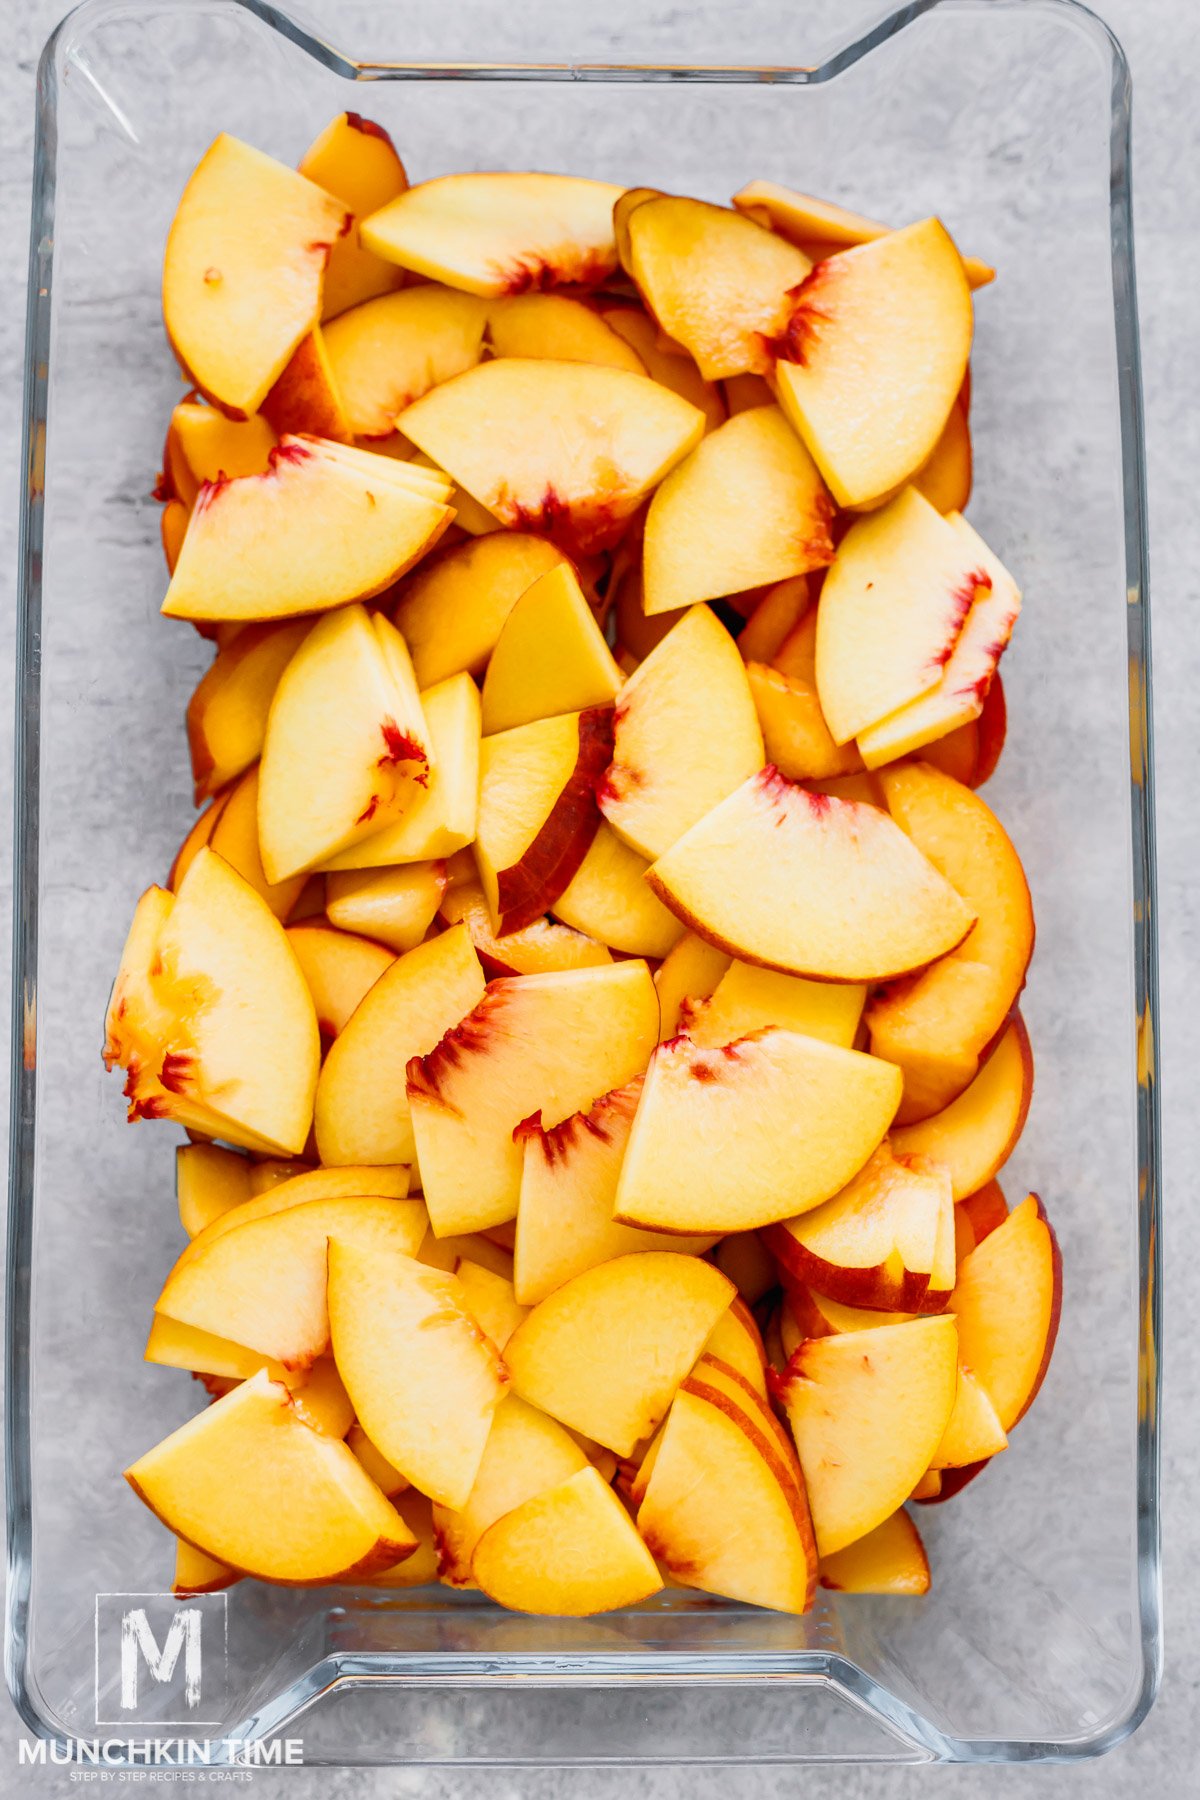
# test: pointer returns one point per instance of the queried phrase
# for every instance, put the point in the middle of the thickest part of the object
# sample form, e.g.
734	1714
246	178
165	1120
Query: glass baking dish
1041	1637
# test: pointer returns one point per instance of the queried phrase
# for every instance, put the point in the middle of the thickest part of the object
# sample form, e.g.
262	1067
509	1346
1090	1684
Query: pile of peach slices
590	988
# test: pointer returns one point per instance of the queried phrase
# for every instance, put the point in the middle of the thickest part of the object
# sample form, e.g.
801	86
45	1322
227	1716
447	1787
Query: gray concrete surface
1160	38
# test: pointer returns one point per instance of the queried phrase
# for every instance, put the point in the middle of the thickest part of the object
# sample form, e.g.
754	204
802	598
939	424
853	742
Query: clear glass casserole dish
1041	1637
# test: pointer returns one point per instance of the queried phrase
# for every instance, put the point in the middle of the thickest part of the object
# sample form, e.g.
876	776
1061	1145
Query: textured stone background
1160	38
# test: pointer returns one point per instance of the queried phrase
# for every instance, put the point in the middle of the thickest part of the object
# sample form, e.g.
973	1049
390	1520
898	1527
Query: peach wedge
810	884
550	657
355	160
974	1136
243	271
388	352
568	1551
565	330
227	713
824	225
889	1560
340	968
451	611
1008	1299
537	949
746	998
609	900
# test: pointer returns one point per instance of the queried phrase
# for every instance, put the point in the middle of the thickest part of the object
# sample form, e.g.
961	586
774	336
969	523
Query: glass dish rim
341	1670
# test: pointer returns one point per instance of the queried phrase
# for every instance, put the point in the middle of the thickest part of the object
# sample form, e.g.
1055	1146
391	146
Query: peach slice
721	1383
525	1453
747	507
537	950
347	747
312	532
388	352
196	1573
204	446
235	838
173	526
440	817
208	1182
262	1283
394	906
889	1560
929	1488
548	1043
296	1184
868	1411
685	735
355	160
795	1119
672	368
387	1312
497	234
569	1551
945	476
690	971
550	657
306	397
637	635
270	1172
808	1314
452	611
566	449
892	609
227	713
322	1401
568	1183
243	270
873	356
1007	1300
608	899
171	1345
985	1209
875	1243
211	1008
824	225
554	326
419	1569
537	810
716	1514
340	969
361	1110
248	1482
974	1136
967	678
974	1431
716	282
605	1352
951	1012
748	998
810	884
736	1341
385	1475
796	736
491	1300
773	619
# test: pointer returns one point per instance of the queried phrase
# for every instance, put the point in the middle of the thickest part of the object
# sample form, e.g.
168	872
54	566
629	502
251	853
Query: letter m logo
159	1660
138	1645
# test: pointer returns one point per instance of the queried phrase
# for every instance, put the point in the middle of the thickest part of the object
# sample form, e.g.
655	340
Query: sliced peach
974	1431
196	1573
388	1312
605	1352
208	1181
747	998
690	971
312	532
173	526
340	969
736	1341
347	748
199	835
868	1411
807	1313
440	817
227	713
270	1172
993	729
974	1136
526	1452
747	507
796	736
568	1551
550	657
452	611
294	1184
637	634
716	1514
875	1243
673	368
1007	1302
385	1475
388	352
496	234
306	397
566	449
243	270
721	1382
554	326
986	1209
322	1401
823	224
394	906
548	1043
491	1300
716	282
538	949
262	1283
569	1180
872	358
361	1108
889	1560
608	899
172	1345
203	445
355	160
235	838
685	735
892	609
809	884
774	617
945	476
248	1482
795	1118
